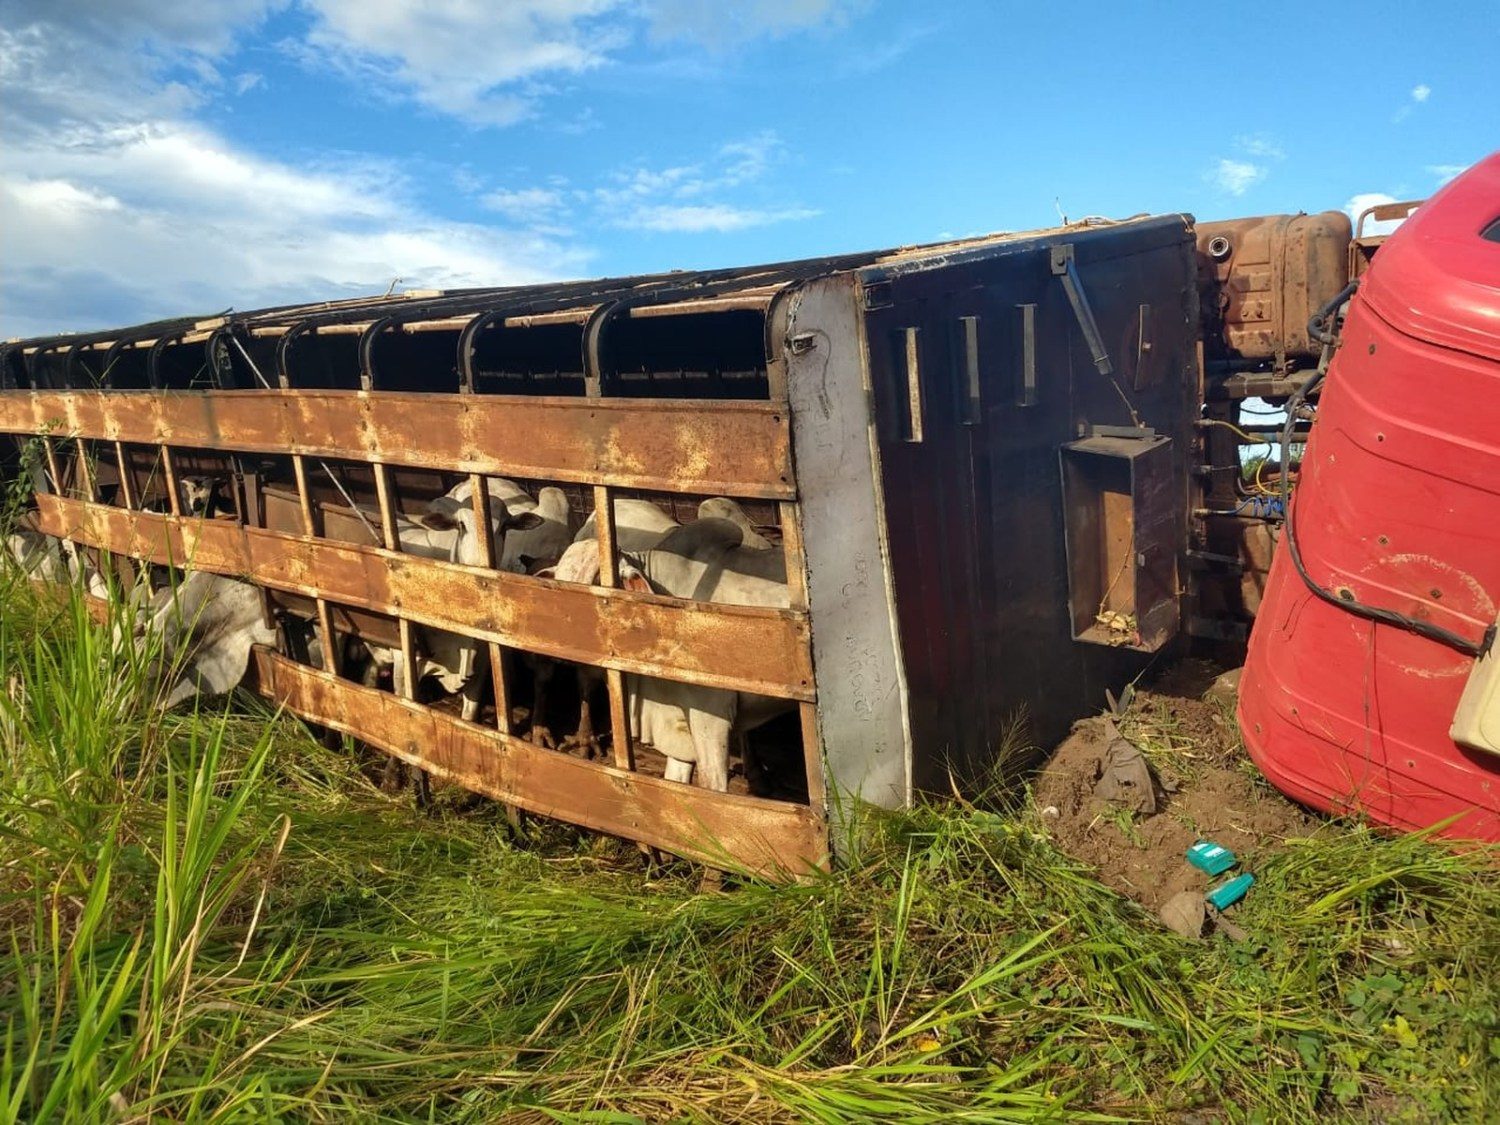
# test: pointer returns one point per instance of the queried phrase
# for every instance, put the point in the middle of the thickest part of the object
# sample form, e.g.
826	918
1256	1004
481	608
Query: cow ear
633	579
526	521
546	572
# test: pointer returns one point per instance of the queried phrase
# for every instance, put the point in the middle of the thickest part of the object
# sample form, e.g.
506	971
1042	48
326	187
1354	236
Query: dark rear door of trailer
969	449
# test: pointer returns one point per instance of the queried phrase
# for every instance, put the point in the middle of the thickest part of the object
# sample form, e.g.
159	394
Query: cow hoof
542	737
586	748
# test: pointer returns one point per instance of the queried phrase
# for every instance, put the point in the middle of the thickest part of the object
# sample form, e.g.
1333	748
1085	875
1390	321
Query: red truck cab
1396	715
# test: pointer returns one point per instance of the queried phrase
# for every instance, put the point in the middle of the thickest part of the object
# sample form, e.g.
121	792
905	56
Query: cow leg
678	770
472	693
585	738
711	725
541	688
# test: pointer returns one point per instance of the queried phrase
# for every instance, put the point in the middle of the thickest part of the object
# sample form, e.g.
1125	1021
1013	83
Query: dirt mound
1208	790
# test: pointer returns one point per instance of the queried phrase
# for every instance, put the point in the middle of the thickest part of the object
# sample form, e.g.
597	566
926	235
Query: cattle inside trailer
970	464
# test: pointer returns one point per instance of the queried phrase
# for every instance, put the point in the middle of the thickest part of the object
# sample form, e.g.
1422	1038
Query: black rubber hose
1318	327
1315	328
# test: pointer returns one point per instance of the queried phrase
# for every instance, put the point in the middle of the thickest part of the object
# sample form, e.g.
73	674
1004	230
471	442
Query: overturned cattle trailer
973	459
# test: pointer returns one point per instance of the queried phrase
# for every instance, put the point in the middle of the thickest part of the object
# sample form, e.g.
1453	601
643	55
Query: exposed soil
1194	748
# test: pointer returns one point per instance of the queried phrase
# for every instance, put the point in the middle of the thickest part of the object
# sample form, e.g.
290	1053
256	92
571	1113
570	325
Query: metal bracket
1064	268
1139	433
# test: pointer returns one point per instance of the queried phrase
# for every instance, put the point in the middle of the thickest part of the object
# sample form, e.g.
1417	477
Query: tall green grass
210	916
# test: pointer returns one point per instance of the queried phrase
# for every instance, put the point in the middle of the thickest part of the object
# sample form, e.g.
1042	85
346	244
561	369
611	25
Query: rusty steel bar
731	448
53	469
309	529
127	477
609	579
604	532
89	484
483	516
739	648
796	582
169	475
385	500
774	839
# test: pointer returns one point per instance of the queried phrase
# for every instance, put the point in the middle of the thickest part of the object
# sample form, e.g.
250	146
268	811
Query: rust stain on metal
733	448
775	839
743	648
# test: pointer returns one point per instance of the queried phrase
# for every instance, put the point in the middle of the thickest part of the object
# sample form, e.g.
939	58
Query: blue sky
160	157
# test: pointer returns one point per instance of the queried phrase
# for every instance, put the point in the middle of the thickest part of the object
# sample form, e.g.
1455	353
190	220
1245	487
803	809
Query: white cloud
524	204
117	205
1446	172
167	219
206	27
718	25
751	158
1260	145
463	57
1235	177
691	198
717	217
1419	94
485	62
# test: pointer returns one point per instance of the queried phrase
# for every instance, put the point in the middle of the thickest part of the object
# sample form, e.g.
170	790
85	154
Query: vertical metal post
778	339
127	476
54	470
594	331
309	528
1026	393
86	472
796	585
483	520
385	499
90	487
912	351
609	578
169	471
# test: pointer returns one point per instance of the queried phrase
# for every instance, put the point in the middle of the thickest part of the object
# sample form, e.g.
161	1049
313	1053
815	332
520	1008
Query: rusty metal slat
770	838
796	578
86	471
741	648
326	635
609	578
169	475
127	477
480	499
733	448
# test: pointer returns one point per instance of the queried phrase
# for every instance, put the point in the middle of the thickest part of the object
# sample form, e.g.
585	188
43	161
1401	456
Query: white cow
521	550
206	625
37	555
706	560
639	525
723	508
449	531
